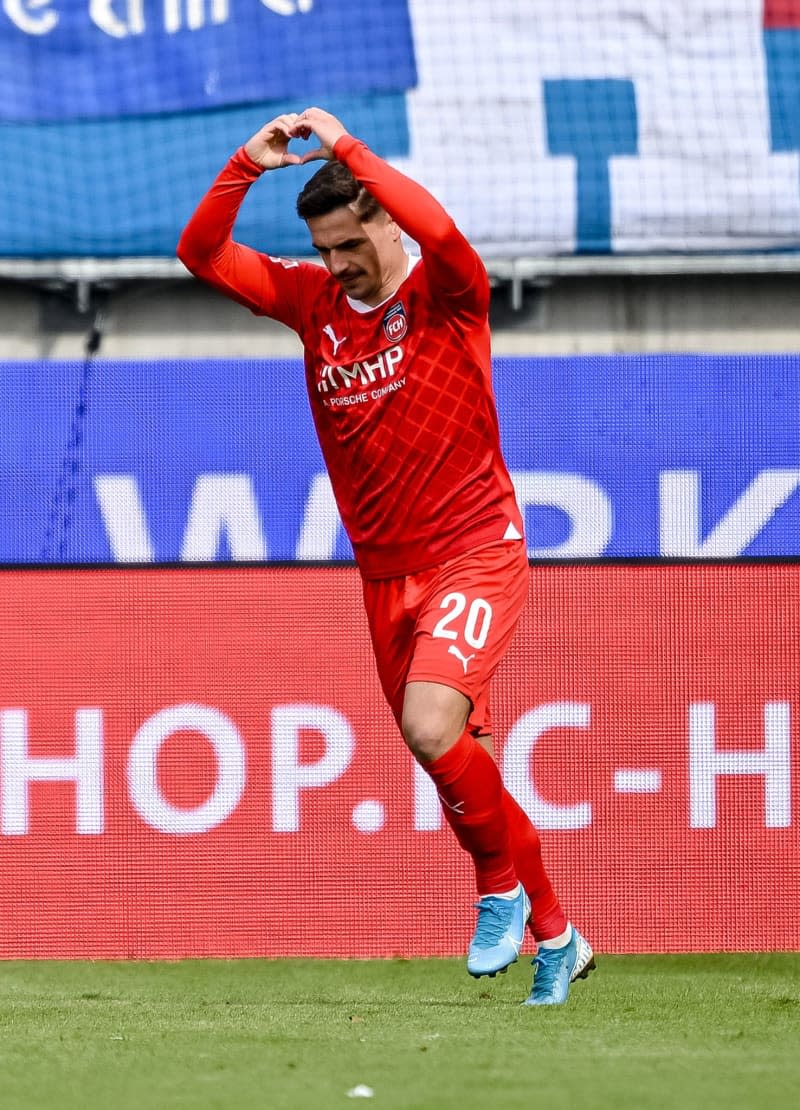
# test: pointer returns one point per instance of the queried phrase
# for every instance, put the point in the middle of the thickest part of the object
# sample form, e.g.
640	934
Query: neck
391	283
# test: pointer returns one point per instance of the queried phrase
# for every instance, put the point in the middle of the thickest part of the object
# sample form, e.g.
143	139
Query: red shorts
450	624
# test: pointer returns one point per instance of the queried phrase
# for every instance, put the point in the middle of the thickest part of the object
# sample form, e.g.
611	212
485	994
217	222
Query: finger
288	159
320	154
285	123
281	128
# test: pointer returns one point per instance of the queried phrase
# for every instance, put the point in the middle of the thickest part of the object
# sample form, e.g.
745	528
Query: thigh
466	620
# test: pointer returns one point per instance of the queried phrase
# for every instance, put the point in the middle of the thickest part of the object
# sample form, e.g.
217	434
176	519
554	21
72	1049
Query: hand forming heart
269	147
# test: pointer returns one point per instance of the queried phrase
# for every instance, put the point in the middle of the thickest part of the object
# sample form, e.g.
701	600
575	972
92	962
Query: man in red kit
398	371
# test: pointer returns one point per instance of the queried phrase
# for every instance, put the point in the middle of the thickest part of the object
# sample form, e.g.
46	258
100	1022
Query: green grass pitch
643	1031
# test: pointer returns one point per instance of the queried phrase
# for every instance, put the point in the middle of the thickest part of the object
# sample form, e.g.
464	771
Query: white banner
600	125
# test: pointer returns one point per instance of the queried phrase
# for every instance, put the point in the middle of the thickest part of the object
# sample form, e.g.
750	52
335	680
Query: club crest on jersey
395	324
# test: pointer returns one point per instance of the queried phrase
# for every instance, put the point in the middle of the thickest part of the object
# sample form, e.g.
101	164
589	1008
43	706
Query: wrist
247	162
343	144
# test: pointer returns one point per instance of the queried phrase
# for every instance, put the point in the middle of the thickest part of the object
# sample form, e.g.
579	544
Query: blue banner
101	197
612	457
87	59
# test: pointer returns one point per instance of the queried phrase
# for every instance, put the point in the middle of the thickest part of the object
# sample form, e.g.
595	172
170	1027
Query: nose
338	263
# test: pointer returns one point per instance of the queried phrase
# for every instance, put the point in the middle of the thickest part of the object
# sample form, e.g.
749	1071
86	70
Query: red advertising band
186	751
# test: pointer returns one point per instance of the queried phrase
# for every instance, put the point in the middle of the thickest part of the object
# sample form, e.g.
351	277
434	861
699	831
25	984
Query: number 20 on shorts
476	623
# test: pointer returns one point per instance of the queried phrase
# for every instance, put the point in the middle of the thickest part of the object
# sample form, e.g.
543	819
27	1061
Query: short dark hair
333	186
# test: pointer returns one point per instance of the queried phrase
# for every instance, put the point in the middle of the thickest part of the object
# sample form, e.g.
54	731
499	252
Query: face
367	259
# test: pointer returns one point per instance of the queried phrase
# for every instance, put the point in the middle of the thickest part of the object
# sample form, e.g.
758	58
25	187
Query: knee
434	716
428	735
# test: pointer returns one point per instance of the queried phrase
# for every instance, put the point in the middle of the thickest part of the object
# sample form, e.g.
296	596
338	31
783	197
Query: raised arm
207	248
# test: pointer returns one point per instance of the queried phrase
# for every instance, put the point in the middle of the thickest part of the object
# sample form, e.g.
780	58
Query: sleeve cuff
244	162
344	145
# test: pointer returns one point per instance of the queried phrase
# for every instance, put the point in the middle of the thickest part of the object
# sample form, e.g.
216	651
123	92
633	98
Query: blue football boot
556	968
498	933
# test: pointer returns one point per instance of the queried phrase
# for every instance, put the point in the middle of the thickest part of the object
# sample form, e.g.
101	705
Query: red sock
547	918
471	790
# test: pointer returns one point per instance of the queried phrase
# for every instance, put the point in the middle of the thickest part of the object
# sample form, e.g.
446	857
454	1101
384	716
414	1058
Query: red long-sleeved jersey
401	394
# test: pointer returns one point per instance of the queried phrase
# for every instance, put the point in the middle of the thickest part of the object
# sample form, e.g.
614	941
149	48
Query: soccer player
398	372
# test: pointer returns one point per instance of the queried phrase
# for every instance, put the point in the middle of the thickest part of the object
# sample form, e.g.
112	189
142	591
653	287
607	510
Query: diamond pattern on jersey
418	468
